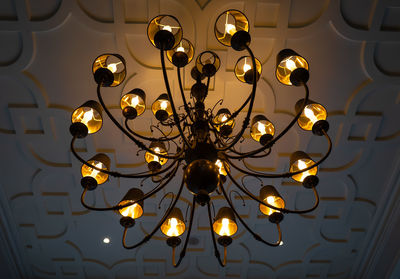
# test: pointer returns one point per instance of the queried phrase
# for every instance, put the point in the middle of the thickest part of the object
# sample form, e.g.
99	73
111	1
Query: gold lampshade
244	69
262	130
89	114
162	108
287	62
155	162
225	224
208	63
165	23
223	168
228	23
115	63
270	195
135	99
182	54
174	224
135	210
101	161
223	126
312	113
299	160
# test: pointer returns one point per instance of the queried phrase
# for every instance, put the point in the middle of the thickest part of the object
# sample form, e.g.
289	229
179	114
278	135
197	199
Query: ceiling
46	52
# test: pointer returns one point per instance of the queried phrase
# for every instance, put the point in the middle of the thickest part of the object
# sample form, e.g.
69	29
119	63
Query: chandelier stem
185	104
175	114
255	235
118	207
246	121
284	210
183	252
150	235
216	252
119	126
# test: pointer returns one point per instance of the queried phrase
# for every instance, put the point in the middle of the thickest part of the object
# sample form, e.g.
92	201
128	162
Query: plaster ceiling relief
46	53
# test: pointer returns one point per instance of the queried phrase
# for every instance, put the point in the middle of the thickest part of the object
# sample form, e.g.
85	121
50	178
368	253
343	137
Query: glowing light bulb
167	27
302	165
113	67
290	64
261	128
246	67
95	172
224	118
164	105
135	101
106	240
156	150
180	48
225	227
86	116
310	115
270	200
229	28
173	230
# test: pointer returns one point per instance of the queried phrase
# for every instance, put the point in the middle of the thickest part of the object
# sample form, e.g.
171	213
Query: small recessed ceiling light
281	243
106	240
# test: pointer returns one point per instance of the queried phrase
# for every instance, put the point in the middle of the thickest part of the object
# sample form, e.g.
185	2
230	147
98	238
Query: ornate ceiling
46	51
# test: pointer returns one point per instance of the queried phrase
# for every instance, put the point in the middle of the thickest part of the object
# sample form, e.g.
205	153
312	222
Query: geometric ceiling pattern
46	51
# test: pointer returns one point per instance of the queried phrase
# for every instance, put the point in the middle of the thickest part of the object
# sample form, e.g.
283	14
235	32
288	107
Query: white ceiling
46	52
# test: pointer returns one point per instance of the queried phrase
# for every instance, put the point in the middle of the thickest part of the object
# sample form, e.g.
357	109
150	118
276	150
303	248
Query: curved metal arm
185	104
287	174
117	207
117	174
255	235
246	121
148	138
183	252
284	210
216	252
175	114
149	236
272	142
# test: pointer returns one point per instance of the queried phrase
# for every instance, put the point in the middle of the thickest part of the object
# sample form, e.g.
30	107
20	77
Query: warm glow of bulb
261	128
86	116
180	48
290	65
134	211
274	201
225	227
230	29
310	114
246	67
156	150
95	172
167	27
173	230
270	200
135	101
224	118
113	67
164	105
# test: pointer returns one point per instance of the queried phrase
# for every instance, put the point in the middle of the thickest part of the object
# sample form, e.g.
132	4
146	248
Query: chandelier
205	148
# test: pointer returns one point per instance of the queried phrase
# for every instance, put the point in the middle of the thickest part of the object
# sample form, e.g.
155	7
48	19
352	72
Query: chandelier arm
185	104
119	126
246	121
175	114
149	236
183	251
255	235
216	252
148	138
287	174
284	210
118	207
251	156
274	140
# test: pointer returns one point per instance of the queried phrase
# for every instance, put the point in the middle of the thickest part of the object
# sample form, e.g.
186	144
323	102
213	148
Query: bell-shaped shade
89	114
221	124
228	23
174	224
299	160
101	161
312	113
262	130
162	108
287	62
135	210
270	195
182	54
112	67
223	168
208	63
225	223
133	102
164	23
244	69
155	162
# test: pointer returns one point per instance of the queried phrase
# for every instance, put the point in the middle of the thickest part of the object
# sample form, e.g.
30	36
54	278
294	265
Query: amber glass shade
159	148
185	46
100	161
165	22
135	210
162	104
221	117
207	57
113	62
270	195
223	168
244	69
312	113
174	225
89	114
299	161
135	99
261	126
288	61
228	23
225	224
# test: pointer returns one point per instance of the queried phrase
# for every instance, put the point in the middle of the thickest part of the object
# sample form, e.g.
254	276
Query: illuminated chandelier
207	151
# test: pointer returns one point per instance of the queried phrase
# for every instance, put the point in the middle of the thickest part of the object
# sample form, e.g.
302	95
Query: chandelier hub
201	176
